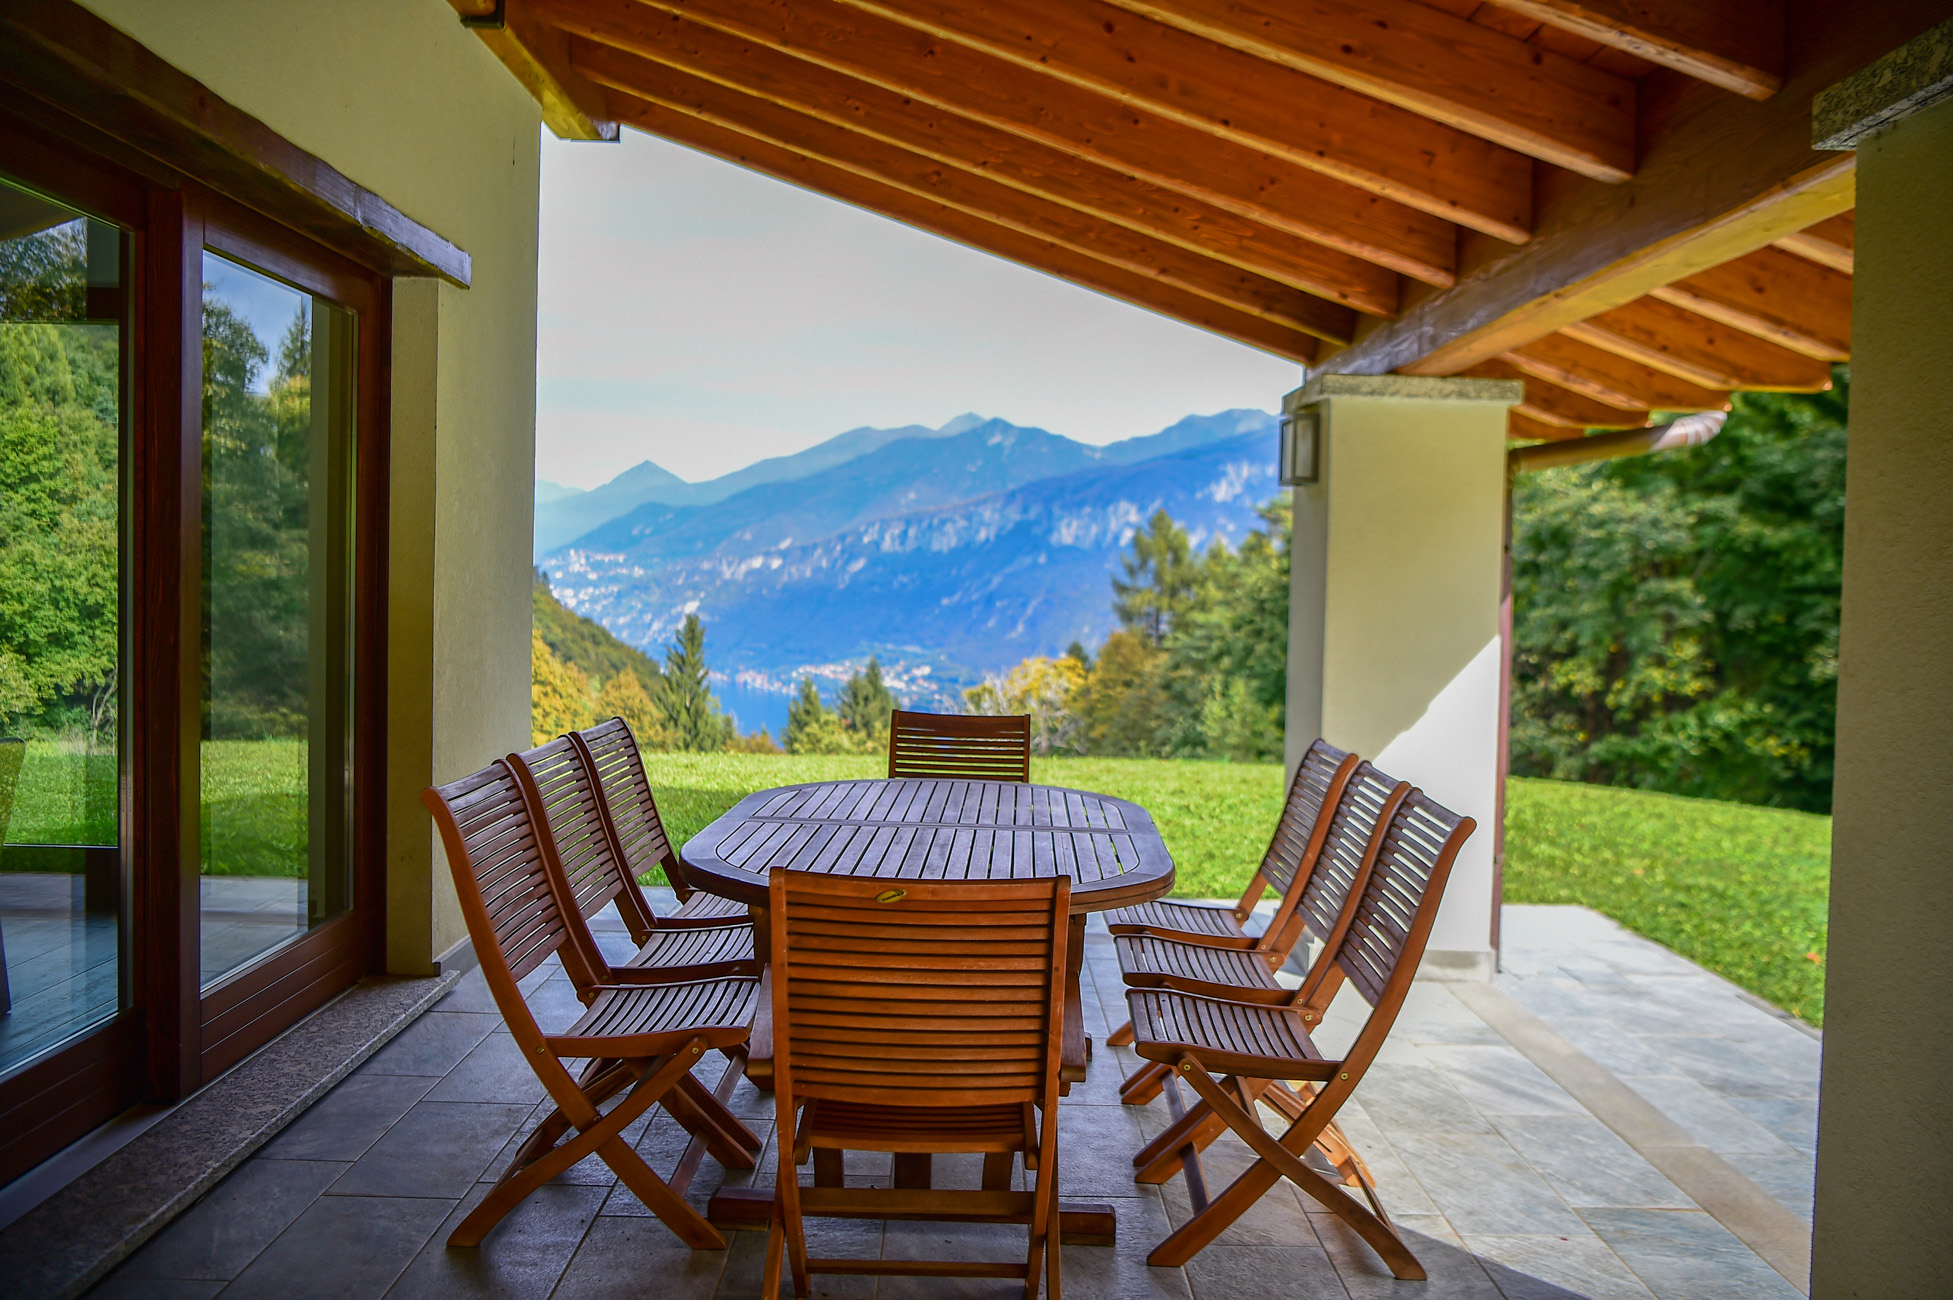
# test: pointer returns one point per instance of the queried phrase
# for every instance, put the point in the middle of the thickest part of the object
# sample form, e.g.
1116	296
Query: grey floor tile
1724	1068
1556	1268
631	1258
342	1248
1791	1119
979	1242
346	1121
1120	1271
523	1256
1417	1100
434	1044
1096	1145
120	1286
1712	1120
1686	1255
1585	1162
1452	1272
223	1232
1230	1272
1483	1187
1610	1046
493	1071
826	1239
439	1149
1499	1081
1790	1177
470	993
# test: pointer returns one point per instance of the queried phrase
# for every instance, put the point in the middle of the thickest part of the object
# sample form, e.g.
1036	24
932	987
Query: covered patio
1672	1157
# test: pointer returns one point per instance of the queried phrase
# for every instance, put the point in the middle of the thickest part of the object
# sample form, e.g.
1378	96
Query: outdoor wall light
1302	444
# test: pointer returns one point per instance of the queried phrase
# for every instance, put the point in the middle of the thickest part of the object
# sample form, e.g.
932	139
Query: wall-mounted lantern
1302	430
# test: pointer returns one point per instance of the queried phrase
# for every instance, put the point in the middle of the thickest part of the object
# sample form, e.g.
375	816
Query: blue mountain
944	581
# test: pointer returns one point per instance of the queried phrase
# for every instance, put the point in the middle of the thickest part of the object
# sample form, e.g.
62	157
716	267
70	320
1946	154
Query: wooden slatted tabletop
935	830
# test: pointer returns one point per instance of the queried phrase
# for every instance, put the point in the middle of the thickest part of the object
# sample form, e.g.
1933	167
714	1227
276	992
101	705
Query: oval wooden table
937	830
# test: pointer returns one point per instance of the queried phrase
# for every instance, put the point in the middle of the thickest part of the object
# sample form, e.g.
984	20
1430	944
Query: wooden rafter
538	57
1215	88
1453	71
944	75
952	223
1520	425
1611	379
1700	350
978	196
1027	165
1774	295
1734	44
1548	403
1828	243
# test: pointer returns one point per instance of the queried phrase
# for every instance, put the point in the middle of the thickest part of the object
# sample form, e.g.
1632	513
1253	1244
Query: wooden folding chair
1323	891
651	1035
917	1017
956	746
1268	1038
612	754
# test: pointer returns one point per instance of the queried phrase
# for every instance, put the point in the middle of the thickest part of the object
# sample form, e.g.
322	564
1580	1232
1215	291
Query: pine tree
1161	575
812	728
865	704
685	693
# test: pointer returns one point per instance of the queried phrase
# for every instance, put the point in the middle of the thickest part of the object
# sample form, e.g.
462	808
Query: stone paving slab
1507	1186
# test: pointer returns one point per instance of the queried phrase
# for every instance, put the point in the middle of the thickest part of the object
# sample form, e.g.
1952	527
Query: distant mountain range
949	552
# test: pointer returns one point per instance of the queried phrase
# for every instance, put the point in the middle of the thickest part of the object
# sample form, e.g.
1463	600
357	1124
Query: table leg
828	1164
913	1169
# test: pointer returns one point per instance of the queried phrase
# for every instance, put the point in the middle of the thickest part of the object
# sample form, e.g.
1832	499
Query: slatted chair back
610	750
1349	842
918	994
959	747
561	781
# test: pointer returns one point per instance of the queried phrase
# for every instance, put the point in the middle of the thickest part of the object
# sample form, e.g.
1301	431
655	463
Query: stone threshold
72	1239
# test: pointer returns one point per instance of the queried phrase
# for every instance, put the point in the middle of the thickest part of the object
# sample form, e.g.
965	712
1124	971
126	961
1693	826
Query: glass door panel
61	382
277	520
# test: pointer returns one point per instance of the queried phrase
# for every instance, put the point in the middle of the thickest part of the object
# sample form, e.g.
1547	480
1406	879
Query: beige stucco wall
1394	594
395	94
1884	1225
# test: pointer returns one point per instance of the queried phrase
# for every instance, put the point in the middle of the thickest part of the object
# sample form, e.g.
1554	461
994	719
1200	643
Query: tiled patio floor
1510	1187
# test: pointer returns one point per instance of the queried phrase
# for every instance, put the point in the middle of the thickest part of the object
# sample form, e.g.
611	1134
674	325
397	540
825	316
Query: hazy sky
703	316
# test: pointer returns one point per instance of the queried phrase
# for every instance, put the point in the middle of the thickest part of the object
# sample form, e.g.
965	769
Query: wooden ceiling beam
1461	73
1037	169
538	57
1828	243
1549	403
1734	44
1520	425
942	74
901	205
977	196
1393	151
1774	295
1700	350
1613	380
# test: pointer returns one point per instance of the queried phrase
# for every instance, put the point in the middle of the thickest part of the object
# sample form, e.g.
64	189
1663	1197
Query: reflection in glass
277	437
61	312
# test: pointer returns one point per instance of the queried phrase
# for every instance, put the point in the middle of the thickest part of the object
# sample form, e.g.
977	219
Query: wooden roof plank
1035	168
1828	243
1614	380
1520	425
1551	404
975	85
1700	350
1386	149
1460	73
1734	44
822	177
1774	295
538	57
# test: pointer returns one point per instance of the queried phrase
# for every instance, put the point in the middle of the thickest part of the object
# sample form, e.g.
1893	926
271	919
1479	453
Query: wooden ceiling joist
1453	71
1700	350
537	55
1611	379
1520	425
1548	403
1828	243
975	195
1027	165
1774	295
951	223
1214	88
1735	44
972	84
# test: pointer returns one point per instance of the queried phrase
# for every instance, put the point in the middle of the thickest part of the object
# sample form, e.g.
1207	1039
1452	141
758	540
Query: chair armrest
1228	992
759	1041
709	970
677	922
1241	942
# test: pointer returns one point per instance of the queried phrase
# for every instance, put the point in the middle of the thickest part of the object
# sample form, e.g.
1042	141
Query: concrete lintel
1413	388
1916	75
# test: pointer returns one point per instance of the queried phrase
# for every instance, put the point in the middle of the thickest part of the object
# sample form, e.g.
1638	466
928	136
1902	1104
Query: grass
1739	889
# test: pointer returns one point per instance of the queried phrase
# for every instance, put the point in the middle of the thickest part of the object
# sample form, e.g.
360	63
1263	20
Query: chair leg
693	1107
1120	1037
1277	1161
776	1243
1143	1084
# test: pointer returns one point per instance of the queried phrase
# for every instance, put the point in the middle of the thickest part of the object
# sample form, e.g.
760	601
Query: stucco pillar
1394	607
1884	1210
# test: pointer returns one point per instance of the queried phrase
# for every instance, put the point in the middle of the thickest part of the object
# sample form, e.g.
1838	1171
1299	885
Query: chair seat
854	1127
1147	960
702	906
1259	1042
1181	918
638	1021
694	947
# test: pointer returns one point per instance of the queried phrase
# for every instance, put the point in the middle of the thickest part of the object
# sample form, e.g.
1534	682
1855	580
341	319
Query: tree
559	694
865	705
685	693
1122	704
1227	654
624	696
1041	689
812	728
1160	576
